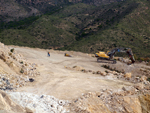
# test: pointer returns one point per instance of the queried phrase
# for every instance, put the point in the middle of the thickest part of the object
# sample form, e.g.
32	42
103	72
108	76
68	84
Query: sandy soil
62	83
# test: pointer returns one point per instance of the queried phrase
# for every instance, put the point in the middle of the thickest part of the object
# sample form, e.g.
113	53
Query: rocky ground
15	70
125	100
39	103
30	81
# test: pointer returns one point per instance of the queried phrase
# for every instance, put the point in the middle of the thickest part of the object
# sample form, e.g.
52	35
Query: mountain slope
87	28
11	10
131	30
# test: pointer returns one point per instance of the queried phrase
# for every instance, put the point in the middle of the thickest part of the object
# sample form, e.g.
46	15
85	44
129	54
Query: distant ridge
11	10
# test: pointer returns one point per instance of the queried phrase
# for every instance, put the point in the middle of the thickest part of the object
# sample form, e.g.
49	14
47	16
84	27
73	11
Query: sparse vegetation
106	71
148	79
21	71
21	62
86	28
12	50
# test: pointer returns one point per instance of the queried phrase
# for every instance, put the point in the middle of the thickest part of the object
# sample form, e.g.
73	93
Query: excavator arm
127	50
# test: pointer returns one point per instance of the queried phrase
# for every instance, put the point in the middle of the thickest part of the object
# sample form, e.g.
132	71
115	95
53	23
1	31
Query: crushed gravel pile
11	82
39	103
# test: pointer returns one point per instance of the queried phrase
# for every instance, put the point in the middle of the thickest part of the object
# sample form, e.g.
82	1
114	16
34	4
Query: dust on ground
57	81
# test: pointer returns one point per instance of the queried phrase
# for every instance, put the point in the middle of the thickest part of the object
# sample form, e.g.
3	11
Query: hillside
86	28
126	28
12	10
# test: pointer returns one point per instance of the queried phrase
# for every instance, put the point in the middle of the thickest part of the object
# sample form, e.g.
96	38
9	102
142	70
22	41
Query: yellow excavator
109	56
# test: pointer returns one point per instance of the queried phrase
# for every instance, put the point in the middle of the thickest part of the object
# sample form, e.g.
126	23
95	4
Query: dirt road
62	83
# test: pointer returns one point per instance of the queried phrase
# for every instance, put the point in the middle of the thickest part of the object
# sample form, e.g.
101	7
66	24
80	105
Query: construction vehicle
67	55
109	56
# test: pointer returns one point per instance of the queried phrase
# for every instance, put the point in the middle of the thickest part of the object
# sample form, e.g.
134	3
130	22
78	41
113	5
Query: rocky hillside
59	2
15	71
11	10
127	100
84	27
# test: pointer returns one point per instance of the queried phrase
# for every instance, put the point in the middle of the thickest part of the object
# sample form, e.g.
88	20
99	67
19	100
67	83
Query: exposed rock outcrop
15	9
38	103
8	106
16	63
145	103
125	100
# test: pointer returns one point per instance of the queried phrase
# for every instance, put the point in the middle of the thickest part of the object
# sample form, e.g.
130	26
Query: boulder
145	103
132	104
98	72
29	110
143	78
139	86
78	68
103	73
128	75
3	56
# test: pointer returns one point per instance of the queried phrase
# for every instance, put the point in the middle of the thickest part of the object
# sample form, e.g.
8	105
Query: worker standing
48	54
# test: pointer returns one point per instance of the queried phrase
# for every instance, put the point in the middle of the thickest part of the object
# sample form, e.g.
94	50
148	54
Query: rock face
145	103
125	100
89	103
39	103
8	106
128	75
15	102
16	71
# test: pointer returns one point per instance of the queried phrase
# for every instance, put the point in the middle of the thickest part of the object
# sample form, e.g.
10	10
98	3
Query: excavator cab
101	54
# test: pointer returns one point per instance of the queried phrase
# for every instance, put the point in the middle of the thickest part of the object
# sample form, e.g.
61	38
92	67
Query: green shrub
12	50
21	71
21	62
106	71
148	79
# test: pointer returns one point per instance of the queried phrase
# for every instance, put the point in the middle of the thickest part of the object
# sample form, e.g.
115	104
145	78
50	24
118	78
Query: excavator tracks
106	60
